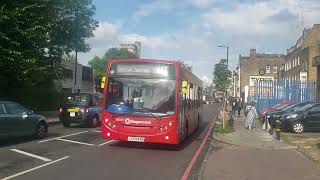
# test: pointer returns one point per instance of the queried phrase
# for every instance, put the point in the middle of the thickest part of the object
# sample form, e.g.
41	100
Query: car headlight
292	116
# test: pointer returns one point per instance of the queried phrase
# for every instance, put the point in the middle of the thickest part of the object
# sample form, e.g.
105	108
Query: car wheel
42	130
66	124
94	122
298	127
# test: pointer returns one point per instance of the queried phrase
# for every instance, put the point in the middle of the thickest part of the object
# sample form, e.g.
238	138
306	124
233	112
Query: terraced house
299	63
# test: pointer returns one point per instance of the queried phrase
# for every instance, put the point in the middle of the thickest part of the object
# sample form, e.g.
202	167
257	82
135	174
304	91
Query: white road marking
76	142
63	136
31	155
106	142
96	131
35	168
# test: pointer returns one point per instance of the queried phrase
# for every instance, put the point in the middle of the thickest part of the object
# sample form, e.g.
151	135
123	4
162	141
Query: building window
268	69
86	73
275	69
67	73
289	65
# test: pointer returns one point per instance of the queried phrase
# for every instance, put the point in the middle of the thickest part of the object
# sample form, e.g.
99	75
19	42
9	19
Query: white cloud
275	17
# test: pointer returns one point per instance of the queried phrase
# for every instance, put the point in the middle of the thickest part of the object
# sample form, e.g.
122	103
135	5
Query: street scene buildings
220	90
297	65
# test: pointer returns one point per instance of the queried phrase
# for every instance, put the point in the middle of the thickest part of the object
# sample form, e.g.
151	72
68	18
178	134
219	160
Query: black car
277	113
82	108
305	118
16	120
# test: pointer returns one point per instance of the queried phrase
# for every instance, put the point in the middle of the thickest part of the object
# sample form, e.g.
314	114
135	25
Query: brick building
257	67
299	62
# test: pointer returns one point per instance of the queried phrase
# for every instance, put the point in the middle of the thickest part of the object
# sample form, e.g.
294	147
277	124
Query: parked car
283	110
263	112
16	120
306	118
82	108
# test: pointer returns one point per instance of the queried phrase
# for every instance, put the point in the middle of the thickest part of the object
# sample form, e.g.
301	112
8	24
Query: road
80	153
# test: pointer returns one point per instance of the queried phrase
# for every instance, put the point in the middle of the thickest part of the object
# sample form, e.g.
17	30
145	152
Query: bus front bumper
168	137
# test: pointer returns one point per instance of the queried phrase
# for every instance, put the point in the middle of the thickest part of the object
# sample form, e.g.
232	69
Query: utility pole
227	47
76	59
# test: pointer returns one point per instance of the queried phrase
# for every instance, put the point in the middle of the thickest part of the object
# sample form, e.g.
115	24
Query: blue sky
191	30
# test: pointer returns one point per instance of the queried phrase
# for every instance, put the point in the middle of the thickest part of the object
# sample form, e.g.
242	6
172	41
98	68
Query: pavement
251	155
80	153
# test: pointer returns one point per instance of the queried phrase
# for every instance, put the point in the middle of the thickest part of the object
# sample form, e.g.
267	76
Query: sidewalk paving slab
255	154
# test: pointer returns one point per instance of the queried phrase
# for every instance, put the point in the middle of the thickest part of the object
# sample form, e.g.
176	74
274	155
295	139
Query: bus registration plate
136	139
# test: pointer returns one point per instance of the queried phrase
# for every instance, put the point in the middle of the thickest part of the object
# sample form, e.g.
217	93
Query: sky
192	30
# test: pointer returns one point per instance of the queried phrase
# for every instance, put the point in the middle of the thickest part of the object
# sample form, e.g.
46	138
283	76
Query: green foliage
34	35
220	130
69	57
99	64
222	76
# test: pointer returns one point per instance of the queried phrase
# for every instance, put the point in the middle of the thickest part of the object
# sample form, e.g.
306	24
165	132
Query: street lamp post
223	46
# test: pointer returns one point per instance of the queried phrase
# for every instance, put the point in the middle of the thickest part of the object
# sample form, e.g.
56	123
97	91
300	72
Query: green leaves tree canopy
99	64
221	76
34	35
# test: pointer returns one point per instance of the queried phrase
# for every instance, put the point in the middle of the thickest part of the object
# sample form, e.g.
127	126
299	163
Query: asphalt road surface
80	153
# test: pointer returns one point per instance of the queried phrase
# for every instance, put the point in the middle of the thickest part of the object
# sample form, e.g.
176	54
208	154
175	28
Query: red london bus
146	100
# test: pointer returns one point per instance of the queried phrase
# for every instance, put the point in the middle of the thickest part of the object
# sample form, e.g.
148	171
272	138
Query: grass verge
219	130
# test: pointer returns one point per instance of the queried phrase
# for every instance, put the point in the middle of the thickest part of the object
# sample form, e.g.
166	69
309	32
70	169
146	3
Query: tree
34	35
222	81
68	57
99	64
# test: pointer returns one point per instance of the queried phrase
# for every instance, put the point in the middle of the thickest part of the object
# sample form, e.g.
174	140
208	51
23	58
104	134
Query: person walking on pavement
234	106
251	114
239	106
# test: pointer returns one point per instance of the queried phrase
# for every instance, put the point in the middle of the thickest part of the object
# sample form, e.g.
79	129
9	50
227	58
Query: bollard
278	125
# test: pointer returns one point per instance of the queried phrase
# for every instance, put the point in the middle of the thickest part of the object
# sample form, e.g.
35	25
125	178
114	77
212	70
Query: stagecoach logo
129	121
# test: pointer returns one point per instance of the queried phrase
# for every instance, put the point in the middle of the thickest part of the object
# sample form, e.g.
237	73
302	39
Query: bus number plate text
136	139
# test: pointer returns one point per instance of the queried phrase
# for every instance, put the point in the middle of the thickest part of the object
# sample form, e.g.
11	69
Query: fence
270	93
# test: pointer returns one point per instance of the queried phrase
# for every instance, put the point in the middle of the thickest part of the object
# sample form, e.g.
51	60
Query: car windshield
303	108
285	108
125	95
77	100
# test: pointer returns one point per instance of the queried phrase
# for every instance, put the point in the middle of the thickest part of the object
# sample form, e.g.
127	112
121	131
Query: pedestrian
251	114
234	106
239	106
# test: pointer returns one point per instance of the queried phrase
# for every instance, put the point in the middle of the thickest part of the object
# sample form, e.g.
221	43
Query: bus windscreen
140	95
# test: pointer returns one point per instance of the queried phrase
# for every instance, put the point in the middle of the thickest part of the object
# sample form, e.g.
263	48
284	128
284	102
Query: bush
35	98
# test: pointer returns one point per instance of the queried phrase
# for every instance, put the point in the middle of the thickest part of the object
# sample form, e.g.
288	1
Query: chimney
253	53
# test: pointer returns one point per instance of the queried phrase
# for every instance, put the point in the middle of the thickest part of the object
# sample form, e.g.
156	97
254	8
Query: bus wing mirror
184	86
103	82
